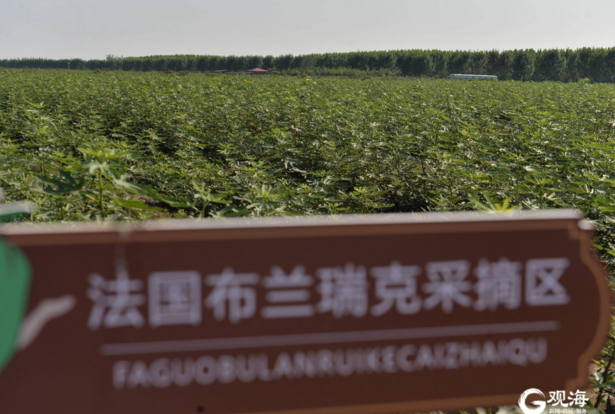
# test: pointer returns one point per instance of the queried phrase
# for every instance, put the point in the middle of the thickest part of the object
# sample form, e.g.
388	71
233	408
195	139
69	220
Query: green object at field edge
15	275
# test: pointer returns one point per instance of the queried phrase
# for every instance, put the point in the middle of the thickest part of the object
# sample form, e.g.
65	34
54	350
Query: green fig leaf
15	276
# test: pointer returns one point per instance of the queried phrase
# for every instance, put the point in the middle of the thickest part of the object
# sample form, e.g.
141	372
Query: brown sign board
356	314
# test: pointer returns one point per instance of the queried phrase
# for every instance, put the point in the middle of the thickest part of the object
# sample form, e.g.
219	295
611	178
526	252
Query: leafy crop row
122	146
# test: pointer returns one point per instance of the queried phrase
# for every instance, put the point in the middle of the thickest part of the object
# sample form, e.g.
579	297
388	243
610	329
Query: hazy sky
94	28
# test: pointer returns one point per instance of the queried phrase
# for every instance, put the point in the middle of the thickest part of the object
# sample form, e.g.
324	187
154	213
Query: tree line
567	65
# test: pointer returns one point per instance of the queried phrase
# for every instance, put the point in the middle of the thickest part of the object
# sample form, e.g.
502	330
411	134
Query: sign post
357	314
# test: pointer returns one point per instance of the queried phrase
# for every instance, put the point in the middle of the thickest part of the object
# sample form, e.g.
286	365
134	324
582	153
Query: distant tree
191	64
161	64
358	60
284	62
268	62
575	67
147	65
254	62
460	62
503	66
386	61
609	64
177	64
203	64
421	64
440	62
523	64
550	65
235	63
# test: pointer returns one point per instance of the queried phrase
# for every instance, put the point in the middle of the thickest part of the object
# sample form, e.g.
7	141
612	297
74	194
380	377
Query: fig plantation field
126	146
120	145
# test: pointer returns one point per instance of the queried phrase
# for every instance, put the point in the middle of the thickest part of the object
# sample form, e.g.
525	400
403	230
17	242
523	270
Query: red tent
258	70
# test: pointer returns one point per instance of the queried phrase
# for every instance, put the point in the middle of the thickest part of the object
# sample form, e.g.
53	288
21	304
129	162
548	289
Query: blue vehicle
472	77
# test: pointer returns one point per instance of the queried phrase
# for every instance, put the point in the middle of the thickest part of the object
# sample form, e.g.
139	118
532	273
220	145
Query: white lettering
408	358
